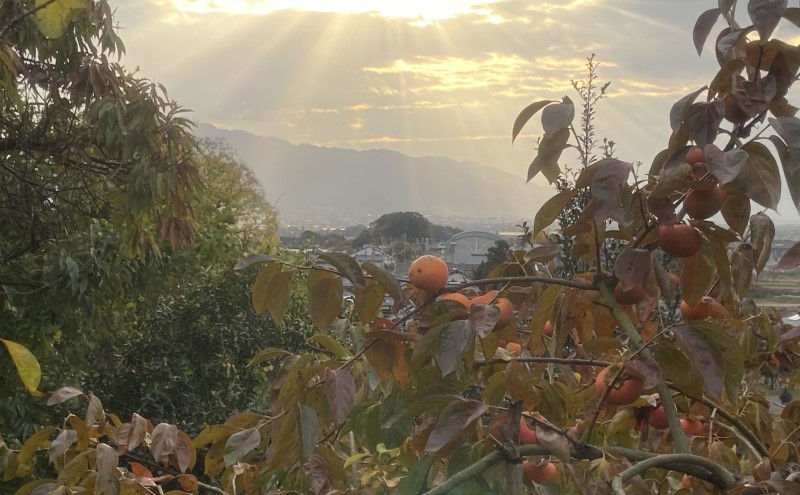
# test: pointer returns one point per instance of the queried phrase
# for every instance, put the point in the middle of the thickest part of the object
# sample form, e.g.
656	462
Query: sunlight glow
424	10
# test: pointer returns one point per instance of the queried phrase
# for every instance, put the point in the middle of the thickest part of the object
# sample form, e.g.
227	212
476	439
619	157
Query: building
467	249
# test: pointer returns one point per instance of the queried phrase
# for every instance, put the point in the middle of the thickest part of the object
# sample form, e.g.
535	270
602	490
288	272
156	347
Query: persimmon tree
443	399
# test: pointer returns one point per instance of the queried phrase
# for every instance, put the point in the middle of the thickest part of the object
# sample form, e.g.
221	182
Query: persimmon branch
544	360
751	437
693	465
635	341
546	280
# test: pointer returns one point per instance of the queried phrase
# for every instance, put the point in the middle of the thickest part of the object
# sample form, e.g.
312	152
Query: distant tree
403	225
495	255
439	233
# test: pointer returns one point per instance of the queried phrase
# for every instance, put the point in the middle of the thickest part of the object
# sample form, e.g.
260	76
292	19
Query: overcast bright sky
429	77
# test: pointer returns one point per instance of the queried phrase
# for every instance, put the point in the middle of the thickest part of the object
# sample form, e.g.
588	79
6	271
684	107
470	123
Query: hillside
312	184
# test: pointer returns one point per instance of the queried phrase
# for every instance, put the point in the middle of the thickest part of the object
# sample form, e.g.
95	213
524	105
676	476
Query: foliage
408	226
430	402
495	256
94	162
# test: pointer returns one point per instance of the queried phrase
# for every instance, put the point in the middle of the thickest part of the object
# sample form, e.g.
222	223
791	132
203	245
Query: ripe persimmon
457	297
506	312
625	390
693	427
733	111
704	203
695	155
484	298
680	240
699	312
658	418
527	435
428	273
514	348
630	296
542	473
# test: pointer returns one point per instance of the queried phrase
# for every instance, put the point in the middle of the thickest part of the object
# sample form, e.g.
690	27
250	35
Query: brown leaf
63	394
63	441
316	473
454	339
706	357
606	191
107	461
790	259
632	267
346	265
762	470
340	390
702	27
163	441
703	120
453	419
188	482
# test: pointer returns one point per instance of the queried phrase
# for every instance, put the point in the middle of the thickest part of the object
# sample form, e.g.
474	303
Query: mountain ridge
316	184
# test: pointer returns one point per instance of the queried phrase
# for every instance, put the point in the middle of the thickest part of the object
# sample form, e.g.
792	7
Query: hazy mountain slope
311	183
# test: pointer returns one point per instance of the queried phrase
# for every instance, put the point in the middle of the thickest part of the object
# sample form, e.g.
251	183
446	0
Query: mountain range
319	185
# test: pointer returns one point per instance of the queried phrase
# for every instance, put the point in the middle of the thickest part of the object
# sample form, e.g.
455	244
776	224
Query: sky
431	77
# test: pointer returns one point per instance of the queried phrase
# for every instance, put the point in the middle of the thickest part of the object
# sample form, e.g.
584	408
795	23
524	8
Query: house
467	249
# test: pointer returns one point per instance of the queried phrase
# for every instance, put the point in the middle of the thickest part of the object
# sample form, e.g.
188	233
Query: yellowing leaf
325	291
53	17
28	367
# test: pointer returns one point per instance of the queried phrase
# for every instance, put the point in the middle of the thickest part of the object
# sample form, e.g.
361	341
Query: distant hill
314	184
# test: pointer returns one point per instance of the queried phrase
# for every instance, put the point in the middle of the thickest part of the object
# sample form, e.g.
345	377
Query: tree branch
693	465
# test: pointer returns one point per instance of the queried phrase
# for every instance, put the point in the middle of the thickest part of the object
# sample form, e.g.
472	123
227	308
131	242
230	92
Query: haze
441	78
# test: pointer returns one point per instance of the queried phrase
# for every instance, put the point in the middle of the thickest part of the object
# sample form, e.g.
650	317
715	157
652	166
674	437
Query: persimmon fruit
625	390
543	473
693	427
699	312
695	155
513	348
527	435
428	273
547	329
679	240
506	315
704	203
630	296
658	418
457	297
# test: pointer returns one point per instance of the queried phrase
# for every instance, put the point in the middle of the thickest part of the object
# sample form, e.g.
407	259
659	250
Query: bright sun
410	9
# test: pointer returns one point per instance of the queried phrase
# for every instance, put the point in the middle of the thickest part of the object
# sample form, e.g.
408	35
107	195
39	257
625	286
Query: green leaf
369	300
267	354
346	265
736	208
213	433
417	477
329	344
494	391
309	431
696	275
27	366
732	356
53	17
762	232
760	178
546	161
525	115
325	291
788	128
550	210
240	444
35	442
387	280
